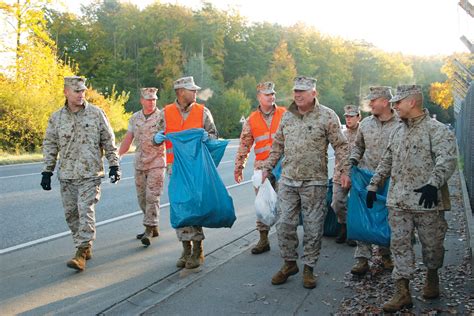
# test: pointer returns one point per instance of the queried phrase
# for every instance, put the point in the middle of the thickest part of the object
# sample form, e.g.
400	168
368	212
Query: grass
8	159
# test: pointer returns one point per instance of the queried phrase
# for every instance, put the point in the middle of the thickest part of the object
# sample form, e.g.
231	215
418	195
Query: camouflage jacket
79	140
420	151
246	143
208	123
147	156
350	135
303	141
372	139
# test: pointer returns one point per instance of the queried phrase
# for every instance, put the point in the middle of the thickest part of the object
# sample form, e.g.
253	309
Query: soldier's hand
46	180
429	196
264	175
371	198
354	162
345	181
238	175
114	174
159	138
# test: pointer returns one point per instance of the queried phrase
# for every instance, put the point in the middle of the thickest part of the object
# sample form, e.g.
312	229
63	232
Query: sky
413	27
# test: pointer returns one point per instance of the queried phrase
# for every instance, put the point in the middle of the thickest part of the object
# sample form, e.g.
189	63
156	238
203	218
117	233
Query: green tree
227	110
282	72
247	84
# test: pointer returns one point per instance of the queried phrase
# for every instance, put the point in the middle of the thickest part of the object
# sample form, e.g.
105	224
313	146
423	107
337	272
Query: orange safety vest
174	123
262	135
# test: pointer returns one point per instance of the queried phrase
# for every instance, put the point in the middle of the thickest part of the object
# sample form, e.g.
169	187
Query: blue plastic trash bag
197	195
277	170
216	148
331	226
369	225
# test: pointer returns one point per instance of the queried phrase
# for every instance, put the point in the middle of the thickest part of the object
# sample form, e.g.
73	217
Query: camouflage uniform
371	141
421	151
79	138
194	233
150	166
246	143
303	141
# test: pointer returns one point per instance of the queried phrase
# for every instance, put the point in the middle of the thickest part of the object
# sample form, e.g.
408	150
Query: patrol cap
266	87
186	83
351	110
376	92
304	83
149	93
405	90
75	83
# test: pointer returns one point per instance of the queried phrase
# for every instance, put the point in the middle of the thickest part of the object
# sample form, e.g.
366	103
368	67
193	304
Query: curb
147	298
469	219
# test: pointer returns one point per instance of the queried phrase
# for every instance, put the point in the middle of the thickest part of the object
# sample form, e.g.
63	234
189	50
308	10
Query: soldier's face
266	100
352	121
148	104
403	108
378	106
304	98
75	97
187	96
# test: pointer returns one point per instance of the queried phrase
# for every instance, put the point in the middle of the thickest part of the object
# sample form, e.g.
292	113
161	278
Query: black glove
354	162
46	180
114	174
429	195
371	198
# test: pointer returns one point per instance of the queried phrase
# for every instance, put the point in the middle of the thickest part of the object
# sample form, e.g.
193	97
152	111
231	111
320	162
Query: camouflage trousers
149	186
188	233
364	250
79	199
311	202
339	202
431	228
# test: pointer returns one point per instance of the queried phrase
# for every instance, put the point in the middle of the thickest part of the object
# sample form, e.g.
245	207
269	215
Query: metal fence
464	115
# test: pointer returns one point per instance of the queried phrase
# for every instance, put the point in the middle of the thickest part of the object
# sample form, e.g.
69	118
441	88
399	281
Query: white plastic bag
265	204
257	178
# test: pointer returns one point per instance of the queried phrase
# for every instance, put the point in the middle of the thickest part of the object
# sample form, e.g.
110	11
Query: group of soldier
398	140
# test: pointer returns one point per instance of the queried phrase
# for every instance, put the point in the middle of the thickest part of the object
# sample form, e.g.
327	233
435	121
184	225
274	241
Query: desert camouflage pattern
266	87
350	135
311	202
186	83
149	93
405	90
79	139
351	110
149	186
303	142
372	139
75	83
376	92
194	233
304	83
421	151
147	154
431	228
79	198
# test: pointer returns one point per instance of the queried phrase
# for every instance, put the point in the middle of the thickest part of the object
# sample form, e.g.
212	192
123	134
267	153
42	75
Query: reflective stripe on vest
262	135
174	123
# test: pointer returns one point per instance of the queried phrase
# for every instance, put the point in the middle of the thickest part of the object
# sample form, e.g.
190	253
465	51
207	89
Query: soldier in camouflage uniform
185	113
266	118
420	159
339	195
303	136
150	162
78	132
371	141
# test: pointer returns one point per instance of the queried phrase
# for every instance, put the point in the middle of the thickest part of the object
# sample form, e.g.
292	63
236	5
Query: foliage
440	93
282	71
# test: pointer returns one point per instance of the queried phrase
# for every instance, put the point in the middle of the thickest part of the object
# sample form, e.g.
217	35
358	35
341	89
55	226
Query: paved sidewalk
235	282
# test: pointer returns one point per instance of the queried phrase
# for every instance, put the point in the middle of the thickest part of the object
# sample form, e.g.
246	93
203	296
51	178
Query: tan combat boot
184	255
361	267
263	244
197	258
146	239
289	268
89	253
309	280
431	288
401	299
387	262
156	233
79	260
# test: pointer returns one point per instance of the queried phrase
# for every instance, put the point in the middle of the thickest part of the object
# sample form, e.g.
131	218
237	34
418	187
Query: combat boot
351	243
309	280
263	244
431	288
184	255
79	260
387	262
289	268
146	239
342	234
197	258
361	267
156	233
89	253
401	299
